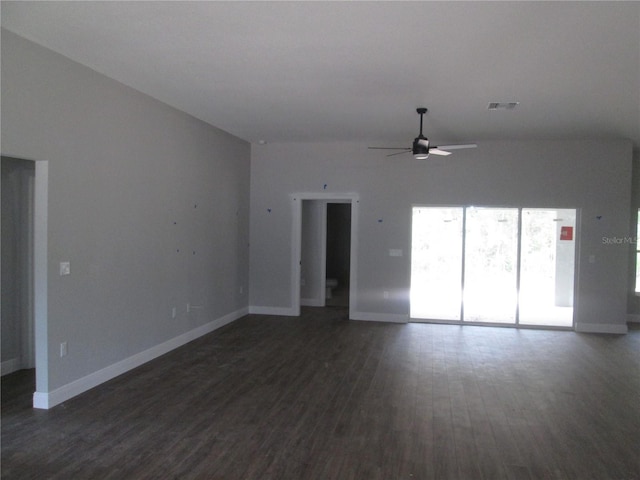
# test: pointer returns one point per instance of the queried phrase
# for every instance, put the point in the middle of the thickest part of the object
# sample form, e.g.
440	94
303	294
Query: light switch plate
65	268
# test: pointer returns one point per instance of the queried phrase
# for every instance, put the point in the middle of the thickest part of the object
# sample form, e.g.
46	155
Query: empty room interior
320	240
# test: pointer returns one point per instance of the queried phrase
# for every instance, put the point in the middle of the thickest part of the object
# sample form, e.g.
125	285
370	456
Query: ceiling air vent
502	105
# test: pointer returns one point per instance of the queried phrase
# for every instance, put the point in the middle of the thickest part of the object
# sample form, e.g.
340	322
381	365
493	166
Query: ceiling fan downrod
420	148
421	111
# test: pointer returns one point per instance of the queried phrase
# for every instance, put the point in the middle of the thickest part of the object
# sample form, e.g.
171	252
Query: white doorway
17	318
33	329
313	255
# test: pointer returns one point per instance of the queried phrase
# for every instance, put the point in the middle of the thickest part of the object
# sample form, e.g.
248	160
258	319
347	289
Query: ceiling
356	71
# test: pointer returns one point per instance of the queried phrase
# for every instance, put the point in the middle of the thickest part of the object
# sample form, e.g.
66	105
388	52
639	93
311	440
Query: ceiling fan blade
389	148
455	147
399	153
437	151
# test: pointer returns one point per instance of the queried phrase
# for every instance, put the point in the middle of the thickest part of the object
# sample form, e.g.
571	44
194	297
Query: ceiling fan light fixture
420	148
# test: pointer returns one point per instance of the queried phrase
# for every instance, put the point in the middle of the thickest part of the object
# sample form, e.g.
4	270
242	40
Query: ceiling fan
421	148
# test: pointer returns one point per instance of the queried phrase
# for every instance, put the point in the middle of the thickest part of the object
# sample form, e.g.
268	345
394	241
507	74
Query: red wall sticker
566	233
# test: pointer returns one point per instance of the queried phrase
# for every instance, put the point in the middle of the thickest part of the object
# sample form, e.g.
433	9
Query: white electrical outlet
63	349
385	294
65	268
194	307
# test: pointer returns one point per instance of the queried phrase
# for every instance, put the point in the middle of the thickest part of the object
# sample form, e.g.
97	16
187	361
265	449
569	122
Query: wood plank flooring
321	397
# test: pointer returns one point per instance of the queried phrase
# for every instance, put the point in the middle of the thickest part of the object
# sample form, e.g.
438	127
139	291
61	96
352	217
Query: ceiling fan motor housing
420	147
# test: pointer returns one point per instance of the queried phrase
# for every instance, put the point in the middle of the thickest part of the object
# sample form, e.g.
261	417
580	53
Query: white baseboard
633	318
379	317
279	311
620	329
10	366
48	400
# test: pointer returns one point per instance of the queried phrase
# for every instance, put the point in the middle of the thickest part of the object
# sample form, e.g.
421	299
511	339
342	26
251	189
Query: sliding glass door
493	265
436	263
547	267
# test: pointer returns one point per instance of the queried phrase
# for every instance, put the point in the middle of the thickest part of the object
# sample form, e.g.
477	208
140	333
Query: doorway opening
338	248
17	317
513	266
323	267
25	210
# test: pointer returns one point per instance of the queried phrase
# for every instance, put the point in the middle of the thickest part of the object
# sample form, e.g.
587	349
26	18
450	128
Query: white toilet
330	285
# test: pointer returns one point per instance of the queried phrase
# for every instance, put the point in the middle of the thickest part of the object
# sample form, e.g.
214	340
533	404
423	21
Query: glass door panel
490	268
547	267
436	263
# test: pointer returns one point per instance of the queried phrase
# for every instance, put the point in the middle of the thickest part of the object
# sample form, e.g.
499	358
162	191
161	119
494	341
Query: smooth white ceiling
332	71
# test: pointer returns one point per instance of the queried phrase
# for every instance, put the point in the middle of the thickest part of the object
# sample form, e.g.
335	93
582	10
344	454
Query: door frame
296	243
40	283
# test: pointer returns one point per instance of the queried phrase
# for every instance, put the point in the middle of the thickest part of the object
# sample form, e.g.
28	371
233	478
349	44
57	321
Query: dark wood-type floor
320	397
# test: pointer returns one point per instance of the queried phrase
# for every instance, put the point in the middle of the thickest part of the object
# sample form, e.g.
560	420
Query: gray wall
148	204
593	176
